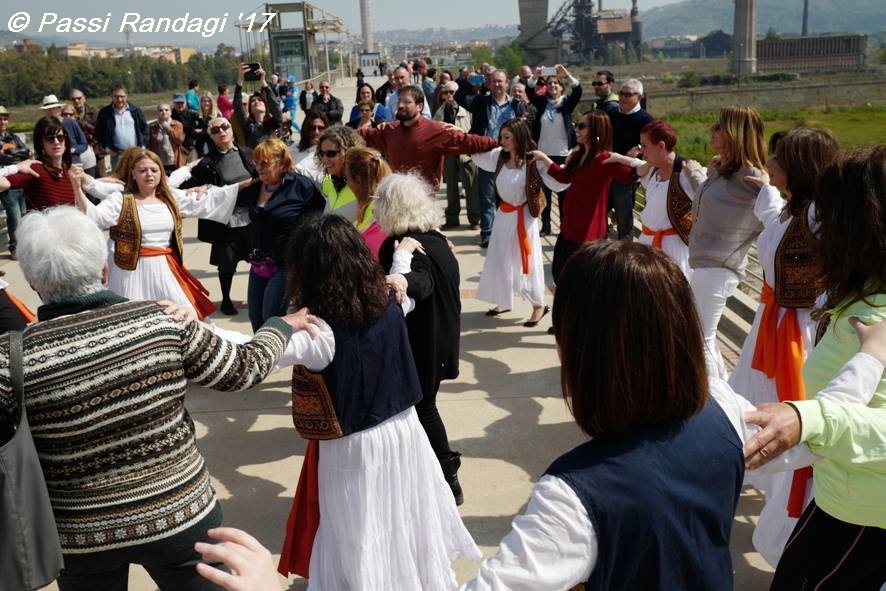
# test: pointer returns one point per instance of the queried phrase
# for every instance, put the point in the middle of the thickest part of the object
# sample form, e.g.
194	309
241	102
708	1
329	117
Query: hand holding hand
780	432
177	311
251	564
303	320
616	158
409	244
872	338
758	181
398	284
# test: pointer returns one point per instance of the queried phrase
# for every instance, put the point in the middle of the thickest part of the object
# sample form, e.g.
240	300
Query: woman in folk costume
145	222
783	332
514	262
671	183
372	510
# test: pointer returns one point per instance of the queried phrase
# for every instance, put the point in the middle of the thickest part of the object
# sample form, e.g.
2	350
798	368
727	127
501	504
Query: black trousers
432	423
563	249
561	198
621	199
827	554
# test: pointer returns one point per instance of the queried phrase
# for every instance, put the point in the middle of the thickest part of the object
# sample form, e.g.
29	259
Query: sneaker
227	307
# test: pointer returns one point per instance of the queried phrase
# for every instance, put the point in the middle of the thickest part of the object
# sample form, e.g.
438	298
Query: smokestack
805	18
366	24
744	38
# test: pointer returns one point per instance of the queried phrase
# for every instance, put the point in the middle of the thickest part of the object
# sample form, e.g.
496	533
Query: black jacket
540	102
254	132
435	324
479	108
12	149
105	124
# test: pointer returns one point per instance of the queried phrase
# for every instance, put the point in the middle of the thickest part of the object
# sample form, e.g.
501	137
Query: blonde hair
745	144
274	149
405	204
344	137
213	111
365	169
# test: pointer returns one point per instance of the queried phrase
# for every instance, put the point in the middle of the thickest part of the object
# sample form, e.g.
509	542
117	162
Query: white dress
775	525
655	216
502	274
152	278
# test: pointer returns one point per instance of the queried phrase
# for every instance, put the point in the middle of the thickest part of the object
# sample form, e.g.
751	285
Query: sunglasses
598	83
581	125
316	127
328	153
217	129
324	88
264	163
59	137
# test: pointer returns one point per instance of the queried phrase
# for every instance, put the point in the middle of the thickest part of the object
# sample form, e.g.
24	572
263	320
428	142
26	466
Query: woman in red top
52	187
584	210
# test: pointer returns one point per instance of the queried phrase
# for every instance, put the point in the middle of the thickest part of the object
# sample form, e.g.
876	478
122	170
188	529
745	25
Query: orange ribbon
192	287
304	517
522	236
778	354
26	313
658	235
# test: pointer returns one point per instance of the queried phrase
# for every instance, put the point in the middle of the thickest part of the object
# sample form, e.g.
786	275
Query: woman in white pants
724	224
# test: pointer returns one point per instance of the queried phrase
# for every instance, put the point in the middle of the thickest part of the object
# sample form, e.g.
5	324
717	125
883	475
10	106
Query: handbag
30	552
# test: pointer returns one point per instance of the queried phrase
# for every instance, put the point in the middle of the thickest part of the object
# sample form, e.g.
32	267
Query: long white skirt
388	520
502	275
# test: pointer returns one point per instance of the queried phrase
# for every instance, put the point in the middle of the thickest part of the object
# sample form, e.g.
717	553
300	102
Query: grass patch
853	128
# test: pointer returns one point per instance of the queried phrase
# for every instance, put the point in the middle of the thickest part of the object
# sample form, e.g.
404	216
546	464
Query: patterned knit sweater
105	392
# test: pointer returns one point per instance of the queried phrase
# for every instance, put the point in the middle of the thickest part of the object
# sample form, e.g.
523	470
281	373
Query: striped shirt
105	393
50	189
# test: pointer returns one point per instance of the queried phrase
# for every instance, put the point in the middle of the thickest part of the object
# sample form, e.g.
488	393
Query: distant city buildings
170	53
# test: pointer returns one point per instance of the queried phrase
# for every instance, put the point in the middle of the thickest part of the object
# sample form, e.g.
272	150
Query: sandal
531	323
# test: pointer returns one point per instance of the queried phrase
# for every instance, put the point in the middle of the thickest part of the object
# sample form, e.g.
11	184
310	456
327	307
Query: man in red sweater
414	142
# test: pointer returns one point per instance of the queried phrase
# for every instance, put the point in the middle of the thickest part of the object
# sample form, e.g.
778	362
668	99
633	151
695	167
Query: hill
699	17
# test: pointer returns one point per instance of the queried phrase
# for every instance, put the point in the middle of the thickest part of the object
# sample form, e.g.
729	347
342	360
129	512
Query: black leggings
826	554
433	424
563	249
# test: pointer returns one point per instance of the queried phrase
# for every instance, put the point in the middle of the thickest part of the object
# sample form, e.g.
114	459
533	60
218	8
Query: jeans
621	199
487	202
711	287
14	203
267	297
454	170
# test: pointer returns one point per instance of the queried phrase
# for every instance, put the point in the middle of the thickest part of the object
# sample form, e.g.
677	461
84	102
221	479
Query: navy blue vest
661	503
372	376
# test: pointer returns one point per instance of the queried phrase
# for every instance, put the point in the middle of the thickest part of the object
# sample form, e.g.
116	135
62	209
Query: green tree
509	57
772	35
482	55
225	50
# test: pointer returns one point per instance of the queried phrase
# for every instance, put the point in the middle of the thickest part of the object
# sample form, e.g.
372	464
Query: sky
386	14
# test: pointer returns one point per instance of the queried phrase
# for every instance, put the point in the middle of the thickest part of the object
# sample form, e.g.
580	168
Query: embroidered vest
535	198
679	205
797	266
127	233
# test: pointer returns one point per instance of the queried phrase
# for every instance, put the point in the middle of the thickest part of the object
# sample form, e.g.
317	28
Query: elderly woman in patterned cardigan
105	382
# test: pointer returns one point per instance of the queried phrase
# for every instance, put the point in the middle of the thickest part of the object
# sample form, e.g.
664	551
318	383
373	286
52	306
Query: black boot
450	464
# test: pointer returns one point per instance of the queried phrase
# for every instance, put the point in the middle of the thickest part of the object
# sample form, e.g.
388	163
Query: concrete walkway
504	413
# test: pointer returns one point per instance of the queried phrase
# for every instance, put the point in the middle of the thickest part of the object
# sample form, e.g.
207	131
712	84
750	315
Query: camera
251	74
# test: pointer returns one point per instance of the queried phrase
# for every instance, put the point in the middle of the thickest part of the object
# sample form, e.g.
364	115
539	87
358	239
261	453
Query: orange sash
778	354
304	517
26	313
658	235
192	287
522	236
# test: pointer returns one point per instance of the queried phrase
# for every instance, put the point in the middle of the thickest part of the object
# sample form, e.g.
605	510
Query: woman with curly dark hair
387	518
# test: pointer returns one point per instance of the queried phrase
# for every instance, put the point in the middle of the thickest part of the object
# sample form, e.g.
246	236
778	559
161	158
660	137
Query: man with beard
414	142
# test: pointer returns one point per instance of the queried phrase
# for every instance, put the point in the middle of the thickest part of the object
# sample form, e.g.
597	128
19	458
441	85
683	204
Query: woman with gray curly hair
330	156
404	208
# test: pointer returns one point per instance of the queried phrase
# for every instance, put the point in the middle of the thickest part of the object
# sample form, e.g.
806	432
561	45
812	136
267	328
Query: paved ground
504	413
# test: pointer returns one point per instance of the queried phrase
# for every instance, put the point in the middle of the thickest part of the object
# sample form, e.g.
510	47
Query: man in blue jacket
120	125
